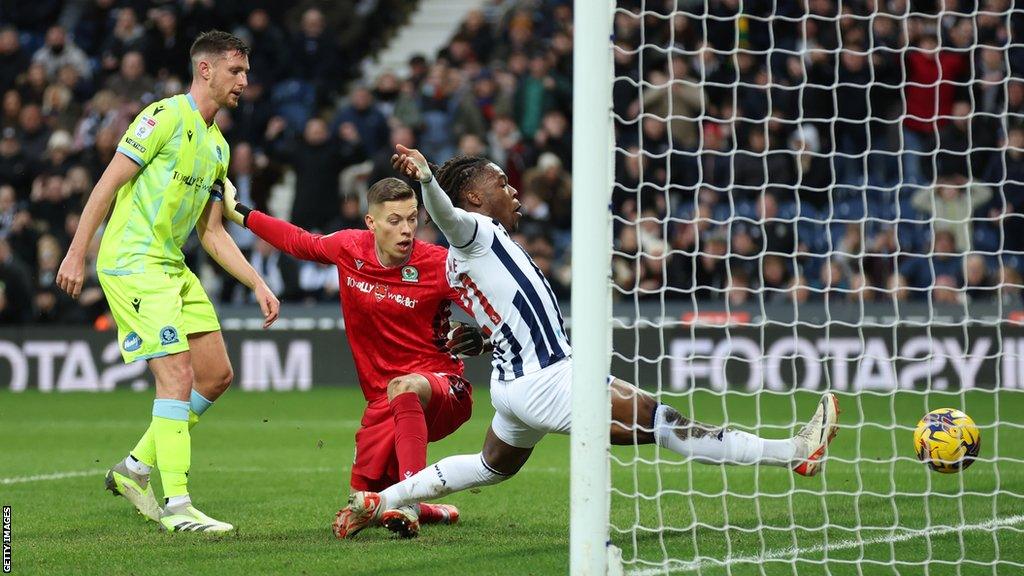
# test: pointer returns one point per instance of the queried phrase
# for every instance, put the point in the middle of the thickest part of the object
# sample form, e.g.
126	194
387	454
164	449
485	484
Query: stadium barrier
841	360
83	360
717	350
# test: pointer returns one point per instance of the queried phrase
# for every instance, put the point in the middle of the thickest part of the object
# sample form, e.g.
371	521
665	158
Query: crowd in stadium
728	162
893	129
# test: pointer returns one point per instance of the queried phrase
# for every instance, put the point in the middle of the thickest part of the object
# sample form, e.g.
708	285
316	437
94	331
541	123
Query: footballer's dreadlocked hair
456	175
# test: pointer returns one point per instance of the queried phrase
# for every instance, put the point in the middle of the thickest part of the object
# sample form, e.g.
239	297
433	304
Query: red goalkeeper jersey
396	319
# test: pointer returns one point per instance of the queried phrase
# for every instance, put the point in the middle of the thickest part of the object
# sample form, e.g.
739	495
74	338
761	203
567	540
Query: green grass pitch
277	466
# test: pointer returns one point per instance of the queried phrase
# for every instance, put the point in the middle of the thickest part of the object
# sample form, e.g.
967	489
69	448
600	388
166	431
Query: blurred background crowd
795	151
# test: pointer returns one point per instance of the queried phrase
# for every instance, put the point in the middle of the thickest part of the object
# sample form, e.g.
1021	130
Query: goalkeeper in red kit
396	301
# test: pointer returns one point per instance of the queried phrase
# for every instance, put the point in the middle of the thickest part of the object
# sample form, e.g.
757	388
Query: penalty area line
798	553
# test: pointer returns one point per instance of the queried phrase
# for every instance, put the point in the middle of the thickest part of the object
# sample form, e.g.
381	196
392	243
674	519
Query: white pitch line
53	476
793	552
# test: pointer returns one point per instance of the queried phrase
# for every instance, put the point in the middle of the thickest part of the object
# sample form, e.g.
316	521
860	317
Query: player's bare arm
71	275
222	248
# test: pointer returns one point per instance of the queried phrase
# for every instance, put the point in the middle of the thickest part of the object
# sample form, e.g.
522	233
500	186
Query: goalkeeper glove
466	340
233	209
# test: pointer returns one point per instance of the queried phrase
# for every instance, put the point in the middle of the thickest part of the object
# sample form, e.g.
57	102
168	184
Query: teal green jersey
154	213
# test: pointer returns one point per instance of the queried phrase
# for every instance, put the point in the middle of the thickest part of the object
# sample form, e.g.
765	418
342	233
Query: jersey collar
195	108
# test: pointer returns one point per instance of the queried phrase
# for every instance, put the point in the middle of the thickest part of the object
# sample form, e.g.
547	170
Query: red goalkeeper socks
410	434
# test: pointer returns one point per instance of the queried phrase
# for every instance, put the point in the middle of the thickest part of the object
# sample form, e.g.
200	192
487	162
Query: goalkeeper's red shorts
376	463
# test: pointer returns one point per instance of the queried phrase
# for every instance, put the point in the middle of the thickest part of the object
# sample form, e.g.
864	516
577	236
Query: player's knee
408	383
499	471
503	464
631	406
225	378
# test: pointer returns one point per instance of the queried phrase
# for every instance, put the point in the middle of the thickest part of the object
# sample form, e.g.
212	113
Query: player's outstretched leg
639	418
813	439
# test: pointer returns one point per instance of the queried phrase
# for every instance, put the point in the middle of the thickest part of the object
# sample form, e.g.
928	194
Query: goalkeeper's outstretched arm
456	224
284	236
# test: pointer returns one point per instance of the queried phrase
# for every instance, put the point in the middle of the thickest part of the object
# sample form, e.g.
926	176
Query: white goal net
810	196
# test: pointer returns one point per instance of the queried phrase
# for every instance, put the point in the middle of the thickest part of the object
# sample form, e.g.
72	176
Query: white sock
137	466
451	474
178	501
717	445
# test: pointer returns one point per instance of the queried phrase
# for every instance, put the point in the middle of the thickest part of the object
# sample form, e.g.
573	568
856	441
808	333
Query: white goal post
591	291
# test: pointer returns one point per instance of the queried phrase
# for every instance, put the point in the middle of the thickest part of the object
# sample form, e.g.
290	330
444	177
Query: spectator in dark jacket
131	81
128	35
1006	174
15	167
478	34
943	262
955	142
368	120
167	47
15	288
313	53
852	104
13	60
317	160
269	51
32	132
382	159
253	113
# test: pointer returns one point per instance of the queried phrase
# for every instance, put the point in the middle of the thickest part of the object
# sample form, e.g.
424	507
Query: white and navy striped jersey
510	299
